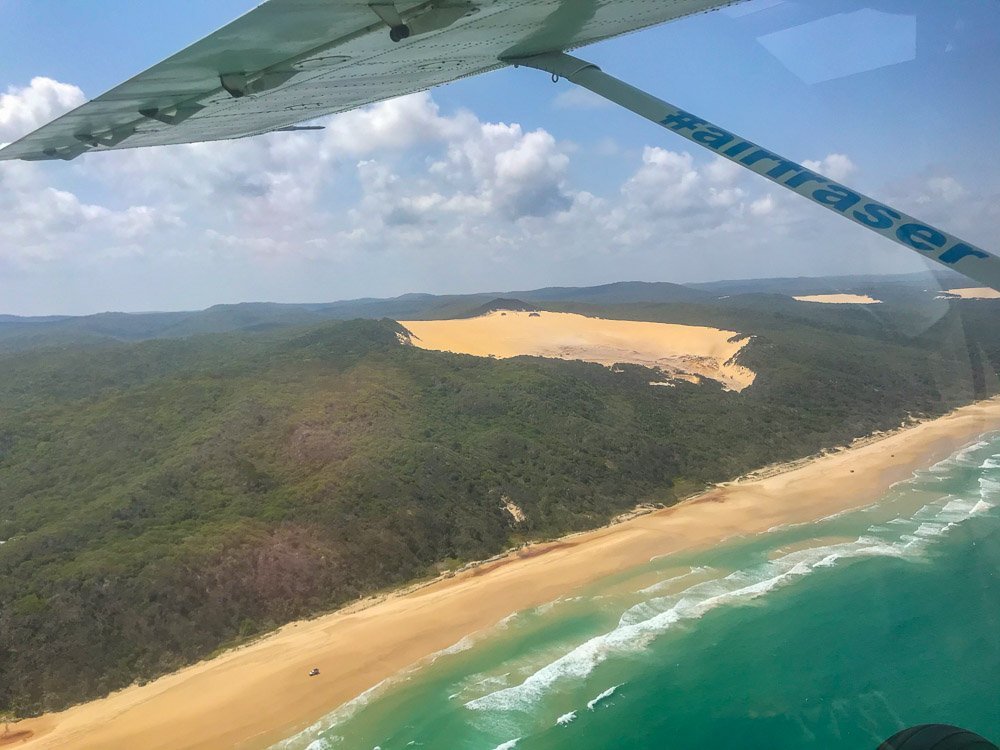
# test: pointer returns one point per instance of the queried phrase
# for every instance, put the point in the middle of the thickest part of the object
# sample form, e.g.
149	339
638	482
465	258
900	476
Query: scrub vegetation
162	499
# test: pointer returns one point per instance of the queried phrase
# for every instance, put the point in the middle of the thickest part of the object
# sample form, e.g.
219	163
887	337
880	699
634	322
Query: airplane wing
288	61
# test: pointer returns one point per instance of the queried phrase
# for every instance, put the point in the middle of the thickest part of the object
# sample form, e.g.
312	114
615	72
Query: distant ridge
20	333
618	293
502	303
833	284
28	332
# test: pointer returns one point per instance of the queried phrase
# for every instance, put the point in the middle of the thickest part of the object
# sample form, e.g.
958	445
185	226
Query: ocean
833	634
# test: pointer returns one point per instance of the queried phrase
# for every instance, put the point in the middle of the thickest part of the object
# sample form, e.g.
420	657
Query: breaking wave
972	476
602	697
643	622
341	714
668	582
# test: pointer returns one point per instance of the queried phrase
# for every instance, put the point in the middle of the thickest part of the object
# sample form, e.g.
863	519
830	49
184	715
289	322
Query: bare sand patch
839	299
680	351
255	696
979	292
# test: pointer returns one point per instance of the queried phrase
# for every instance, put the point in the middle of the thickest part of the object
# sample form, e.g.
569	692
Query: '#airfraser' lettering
853	205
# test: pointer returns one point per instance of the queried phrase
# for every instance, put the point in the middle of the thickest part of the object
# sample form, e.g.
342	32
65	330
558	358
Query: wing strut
917	235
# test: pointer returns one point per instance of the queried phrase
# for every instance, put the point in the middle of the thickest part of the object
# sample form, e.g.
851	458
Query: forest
163	499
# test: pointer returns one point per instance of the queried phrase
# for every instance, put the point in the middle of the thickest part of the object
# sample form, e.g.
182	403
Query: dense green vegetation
17	333
165	498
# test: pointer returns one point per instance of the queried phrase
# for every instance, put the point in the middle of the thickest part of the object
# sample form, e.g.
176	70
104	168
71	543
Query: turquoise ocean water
831	635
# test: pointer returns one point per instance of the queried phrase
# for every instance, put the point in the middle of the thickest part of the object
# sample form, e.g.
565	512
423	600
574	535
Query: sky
504	181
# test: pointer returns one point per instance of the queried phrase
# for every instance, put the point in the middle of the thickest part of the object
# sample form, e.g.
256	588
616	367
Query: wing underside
289	61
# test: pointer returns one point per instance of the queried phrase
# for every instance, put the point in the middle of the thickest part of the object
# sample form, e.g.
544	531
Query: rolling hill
174	483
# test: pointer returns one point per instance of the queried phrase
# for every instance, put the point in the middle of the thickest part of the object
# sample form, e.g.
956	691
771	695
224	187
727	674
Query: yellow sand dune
680	351
981	292
840	299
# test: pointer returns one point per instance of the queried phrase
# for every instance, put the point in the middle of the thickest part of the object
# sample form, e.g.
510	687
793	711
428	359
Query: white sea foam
988	487
831	517
981	507
628	636
504	622
962	457
544	609
899	537
842	513
508	745
456	648
347	710
338	716
668	582
499	679
646	620
566	719
930	529
477	686
781	527
603	696
955	511
640	624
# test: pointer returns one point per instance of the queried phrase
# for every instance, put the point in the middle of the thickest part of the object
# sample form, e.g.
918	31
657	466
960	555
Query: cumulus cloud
40	221
944	200
44	223
25	109
399	163
672	195
835	166
401	196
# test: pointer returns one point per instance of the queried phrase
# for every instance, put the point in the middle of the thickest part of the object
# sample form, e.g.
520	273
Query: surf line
872	214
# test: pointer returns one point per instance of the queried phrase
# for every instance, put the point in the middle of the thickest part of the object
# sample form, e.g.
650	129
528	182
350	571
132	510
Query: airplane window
494	374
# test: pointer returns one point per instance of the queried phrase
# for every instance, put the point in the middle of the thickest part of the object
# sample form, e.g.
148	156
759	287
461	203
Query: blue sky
898	98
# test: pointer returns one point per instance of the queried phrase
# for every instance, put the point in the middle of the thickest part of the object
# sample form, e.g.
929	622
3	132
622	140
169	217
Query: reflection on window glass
342	408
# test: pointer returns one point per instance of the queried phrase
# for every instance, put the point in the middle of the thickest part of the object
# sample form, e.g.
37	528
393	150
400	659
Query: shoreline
258	694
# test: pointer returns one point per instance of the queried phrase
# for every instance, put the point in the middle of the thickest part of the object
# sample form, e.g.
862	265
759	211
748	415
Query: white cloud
723	171
398	197
763	206
25	109
393	125
947	189
576	97
835	166
943	200
48	224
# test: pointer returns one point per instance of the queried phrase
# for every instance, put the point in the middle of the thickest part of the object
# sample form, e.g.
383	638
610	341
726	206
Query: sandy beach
259	694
